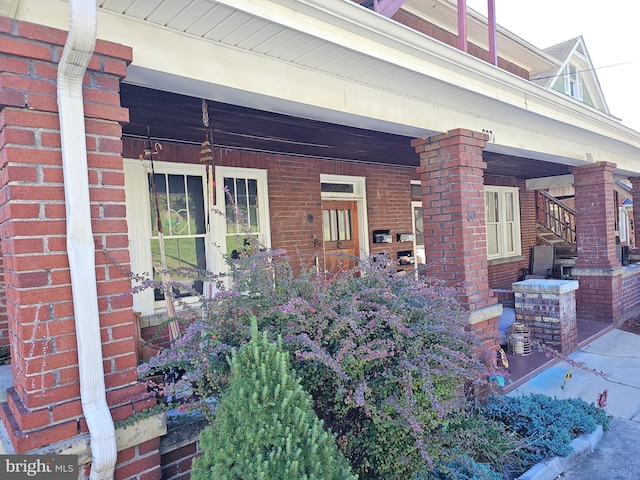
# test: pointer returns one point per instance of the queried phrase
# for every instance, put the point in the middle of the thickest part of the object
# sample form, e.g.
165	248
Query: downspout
77	52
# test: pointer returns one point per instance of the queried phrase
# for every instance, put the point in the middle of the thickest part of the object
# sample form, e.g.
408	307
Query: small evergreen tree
265	427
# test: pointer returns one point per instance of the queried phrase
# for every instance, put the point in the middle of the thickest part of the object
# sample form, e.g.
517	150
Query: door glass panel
336	224
326	225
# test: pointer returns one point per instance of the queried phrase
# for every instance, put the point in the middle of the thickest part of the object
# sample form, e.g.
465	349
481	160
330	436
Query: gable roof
573	52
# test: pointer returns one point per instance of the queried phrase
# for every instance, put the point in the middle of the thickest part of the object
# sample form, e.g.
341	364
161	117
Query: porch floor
522	368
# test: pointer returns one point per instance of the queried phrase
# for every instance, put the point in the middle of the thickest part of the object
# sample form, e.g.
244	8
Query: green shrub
264	427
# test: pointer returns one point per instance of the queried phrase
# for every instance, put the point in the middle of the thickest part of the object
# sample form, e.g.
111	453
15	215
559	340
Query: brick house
334	126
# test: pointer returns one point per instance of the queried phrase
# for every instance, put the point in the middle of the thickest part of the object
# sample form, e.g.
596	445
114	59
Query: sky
610	31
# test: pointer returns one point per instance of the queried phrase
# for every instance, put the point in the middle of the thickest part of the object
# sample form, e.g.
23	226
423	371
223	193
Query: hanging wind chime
174	327
207	157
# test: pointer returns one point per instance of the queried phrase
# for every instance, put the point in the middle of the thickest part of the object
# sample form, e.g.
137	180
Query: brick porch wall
630	292
44	406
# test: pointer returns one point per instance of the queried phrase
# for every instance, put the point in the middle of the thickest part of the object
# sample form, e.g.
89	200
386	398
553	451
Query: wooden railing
556	216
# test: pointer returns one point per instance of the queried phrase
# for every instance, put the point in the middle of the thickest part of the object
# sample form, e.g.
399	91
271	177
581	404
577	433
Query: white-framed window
573	81
623	225
181	194
195	228
502	219
241	210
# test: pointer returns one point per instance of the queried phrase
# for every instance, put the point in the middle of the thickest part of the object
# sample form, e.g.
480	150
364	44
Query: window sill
500	261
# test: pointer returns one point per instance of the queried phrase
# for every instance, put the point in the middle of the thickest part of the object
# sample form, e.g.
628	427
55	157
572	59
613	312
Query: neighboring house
334	128
574	75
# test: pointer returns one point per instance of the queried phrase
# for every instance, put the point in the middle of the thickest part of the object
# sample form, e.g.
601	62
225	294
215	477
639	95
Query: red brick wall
44	405
294	193
176	465
630	294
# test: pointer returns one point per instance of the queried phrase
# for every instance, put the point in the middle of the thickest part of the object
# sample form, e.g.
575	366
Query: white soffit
334	60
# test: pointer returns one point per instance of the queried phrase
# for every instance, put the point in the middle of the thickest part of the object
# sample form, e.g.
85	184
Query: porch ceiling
176	117
336	62
170	116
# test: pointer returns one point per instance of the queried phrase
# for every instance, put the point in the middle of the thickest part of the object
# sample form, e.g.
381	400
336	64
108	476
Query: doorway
340	235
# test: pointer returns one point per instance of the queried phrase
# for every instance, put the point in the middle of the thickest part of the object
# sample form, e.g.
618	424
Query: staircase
556	222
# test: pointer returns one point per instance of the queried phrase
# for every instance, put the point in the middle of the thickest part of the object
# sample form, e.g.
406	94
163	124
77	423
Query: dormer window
572	82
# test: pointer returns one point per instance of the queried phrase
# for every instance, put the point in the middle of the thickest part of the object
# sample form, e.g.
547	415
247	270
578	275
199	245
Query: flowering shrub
386	357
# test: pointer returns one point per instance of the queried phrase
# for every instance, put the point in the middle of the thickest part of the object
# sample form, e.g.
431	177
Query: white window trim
359	195
568	76
502	234
139	224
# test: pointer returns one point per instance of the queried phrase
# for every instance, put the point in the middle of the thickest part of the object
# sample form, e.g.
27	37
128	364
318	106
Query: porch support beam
600	294
452	179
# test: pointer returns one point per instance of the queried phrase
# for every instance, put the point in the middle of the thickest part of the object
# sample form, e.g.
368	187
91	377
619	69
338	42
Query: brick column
635	184
44	405
548	308
452	177
597	268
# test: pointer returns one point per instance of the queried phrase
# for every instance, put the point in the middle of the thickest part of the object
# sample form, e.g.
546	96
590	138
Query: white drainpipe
80	244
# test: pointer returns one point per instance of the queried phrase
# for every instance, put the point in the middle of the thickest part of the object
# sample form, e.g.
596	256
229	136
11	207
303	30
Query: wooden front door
340	234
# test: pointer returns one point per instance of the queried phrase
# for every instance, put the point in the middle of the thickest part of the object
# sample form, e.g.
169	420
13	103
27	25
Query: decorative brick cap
535	285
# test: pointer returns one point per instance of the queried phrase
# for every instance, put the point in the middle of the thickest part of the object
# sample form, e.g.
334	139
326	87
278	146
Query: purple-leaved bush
386	356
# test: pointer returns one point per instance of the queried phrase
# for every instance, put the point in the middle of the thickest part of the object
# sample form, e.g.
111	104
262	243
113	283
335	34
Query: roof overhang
335	61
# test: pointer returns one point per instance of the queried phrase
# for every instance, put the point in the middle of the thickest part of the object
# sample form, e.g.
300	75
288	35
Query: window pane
230	201
416	192
195	206
158	182
243	200
179	253
491	204
336	187
509	207
510	239
492	239
418	223
253	220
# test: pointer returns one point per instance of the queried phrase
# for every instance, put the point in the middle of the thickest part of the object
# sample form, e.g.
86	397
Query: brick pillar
548	308
635	184
44	405
597	268
452	177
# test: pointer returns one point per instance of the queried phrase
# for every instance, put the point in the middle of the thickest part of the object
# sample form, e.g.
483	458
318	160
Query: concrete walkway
616	354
